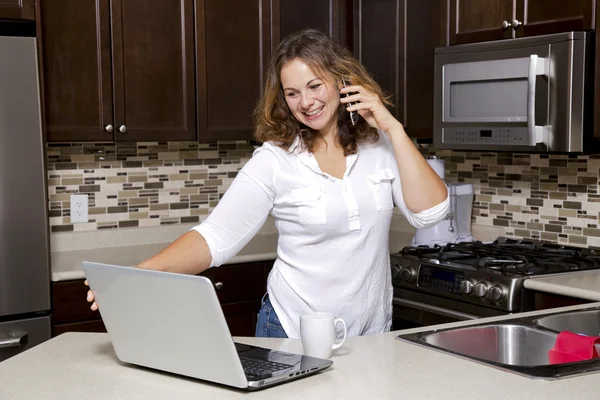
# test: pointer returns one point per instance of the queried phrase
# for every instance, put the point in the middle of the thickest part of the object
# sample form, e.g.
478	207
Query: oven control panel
440	279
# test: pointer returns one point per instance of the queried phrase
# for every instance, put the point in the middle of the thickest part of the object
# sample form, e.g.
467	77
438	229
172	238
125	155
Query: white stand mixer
456	226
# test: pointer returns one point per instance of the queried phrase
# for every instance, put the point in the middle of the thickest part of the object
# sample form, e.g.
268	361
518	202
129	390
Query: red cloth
572	347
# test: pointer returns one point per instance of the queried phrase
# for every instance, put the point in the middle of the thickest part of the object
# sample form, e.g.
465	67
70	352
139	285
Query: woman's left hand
370	107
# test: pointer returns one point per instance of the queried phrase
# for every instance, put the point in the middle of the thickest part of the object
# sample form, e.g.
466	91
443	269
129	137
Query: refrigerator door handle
13	340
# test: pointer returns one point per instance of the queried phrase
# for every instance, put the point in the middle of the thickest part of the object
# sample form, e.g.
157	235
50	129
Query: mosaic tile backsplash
140	184
539	196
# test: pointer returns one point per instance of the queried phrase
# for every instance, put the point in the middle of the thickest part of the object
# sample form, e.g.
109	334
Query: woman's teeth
313	113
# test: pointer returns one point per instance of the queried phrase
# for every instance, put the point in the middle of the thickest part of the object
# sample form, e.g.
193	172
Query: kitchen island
84	365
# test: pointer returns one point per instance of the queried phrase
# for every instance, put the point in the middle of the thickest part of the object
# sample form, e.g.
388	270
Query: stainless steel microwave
530	94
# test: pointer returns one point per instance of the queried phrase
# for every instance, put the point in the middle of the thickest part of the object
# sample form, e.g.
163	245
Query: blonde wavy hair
273	119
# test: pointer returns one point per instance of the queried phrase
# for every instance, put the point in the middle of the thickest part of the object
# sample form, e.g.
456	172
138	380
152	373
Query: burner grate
512	256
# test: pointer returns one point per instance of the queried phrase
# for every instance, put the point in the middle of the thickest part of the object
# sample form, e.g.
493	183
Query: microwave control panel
513	136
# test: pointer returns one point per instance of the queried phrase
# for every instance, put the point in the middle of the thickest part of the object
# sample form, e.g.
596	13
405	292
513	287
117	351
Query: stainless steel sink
519	345
504	344
584	322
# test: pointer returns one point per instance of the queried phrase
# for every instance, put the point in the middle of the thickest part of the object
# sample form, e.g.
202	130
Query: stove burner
512	256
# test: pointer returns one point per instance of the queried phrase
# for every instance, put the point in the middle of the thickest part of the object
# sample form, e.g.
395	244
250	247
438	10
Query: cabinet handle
505	24
109	128
122	129
219	285
515	23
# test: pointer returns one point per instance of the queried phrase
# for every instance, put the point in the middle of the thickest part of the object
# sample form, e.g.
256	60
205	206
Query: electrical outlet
79	208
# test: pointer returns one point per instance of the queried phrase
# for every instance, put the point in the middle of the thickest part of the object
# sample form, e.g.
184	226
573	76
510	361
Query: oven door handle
13	340
433	309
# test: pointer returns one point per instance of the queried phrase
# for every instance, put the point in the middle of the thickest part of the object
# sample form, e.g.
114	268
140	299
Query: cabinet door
241	317
19	9
419	47
480	20
153	69
232	51
238	282
541	17
379	43
69	303
292	15
76	71
395	28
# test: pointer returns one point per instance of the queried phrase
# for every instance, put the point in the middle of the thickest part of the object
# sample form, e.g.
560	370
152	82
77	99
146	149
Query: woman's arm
422	188
189	254
240	213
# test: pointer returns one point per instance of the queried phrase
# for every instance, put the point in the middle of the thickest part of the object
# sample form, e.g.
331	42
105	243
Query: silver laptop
174	323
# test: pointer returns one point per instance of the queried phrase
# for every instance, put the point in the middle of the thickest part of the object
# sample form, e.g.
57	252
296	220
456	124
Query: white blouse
332	250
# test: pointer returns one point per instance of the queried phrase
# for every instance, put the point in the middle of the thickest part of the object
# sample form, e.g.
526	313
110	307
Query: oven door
412	309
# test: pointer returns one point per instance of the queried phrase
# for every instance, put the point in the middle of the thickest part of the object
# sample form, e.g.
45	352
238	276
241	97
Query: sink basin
504	344
584	322
519	345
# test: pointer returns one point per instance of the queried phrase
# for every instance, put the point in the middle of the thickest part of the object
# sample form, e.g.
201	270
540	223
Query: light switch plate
79	208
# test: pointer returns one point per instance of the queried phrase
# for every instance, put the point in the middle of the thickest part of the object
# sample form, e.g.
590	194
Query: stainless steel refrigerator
24	234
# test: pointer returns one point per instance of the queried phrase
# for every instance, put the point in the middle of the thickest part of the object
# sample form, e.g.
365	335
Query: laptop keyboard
255	368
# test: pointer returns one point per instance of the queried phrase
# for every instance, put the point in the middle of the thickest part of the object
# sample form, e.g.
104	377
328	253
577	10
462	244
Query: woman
331	187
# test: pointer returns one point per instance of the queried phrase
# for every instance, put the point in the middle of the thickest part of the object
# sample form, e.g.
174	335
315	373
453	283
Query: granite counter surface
132	246
582	284
84	366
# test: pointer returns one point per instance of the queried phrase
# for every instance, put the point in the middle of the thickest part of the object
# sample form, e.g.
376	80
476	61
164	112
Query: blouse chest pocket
310	205
380	183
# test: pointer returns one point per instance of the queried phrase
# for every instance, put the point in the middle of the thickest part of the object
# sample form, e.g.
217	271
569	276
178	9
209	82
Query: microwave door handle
535	133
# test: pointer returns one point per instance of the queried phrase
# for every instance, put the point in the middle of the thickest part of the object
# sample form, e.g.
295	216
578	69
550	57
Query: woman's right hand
90	298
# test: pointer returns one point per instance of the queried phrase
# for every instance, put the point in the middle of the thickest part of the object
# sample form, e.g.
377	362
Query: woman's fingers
90	299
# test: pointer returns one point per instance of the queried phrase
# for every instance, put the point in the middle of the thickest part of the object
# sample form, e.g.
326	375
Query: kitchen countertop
66	265
84	365
130	246
582	284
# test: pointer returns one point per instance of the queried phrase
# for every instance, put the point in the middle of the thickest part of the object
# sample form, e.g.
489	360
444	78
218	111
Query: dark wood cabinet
77	73
325	15
153	69
70	310
240	288
482	20
541	17
232	52
390	41
118	70
17	9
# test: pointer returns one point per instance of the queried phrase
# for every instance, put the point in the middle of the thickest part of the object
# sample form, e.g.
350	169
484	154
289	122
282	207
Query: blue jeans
268	324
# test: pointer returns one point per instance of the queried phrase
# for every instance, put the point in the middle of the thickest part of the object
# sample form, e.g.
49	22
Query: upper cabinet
390	41
118	70
18	9
328	16
482	20
233	50
76	64
153	69
233	44
540	17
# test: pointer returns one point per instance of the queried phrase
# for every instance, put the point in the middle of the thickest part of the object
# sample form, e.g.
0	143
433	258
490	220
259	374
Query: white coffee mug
318	333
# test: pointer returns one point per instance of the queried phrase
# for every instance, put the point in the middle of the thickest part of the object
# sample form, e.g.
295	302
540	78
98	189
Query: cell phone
353	114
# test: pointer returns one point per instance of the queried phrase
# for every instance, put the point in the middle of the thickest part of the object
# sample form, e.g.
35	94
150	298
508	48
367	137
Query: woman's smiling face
312	99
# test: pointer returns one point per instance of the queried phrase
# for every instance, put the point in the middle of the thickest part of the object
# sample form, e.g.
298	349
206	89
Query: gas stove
490	275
